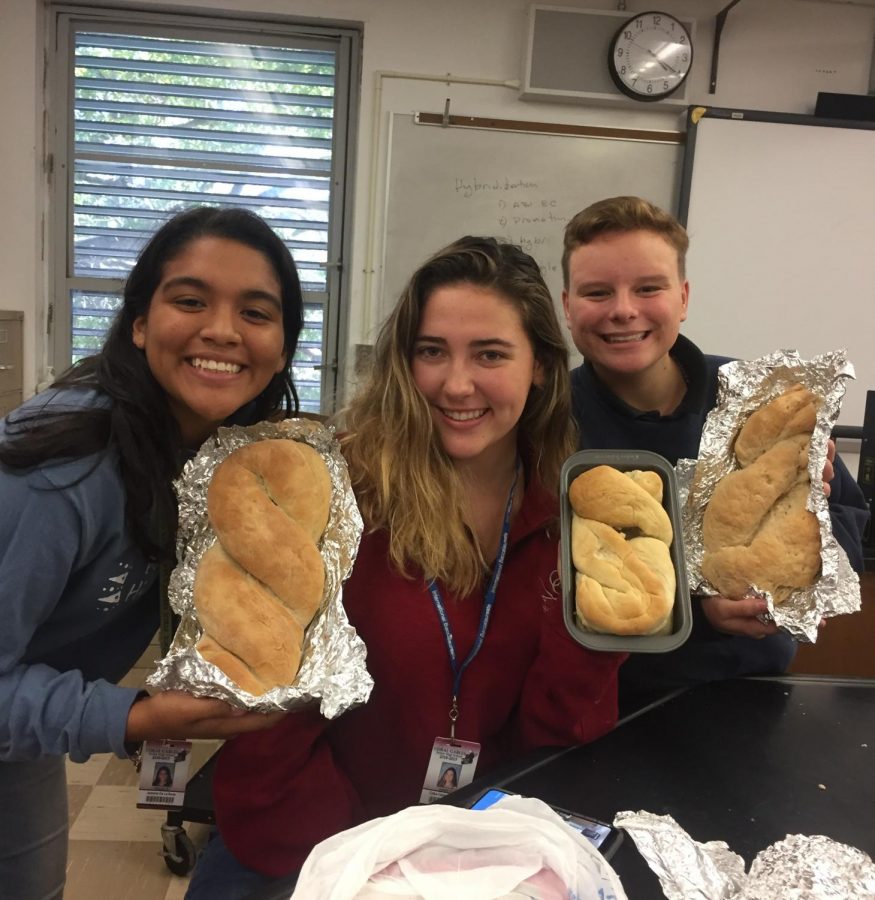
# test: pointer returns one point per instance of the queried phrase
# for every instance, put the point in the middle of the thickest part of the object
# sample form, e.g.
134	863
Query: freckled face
625	301
213	334
475	365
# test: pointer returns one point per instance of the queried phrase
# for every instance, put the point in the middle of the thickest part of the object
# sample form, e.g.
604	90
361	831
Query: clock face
650	56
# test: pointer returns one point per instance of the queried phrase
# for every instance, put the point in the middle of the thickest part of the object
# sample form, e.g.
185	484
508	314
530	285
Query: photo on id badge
163	774
450	766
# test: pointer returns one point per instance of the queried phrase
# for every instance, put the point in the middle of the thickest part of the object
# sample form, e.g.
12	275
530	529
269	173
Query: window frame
65	20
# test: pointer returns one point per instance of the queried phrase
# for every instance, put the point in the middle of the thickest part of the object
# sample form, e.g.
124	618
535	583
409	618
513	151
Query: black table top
746	762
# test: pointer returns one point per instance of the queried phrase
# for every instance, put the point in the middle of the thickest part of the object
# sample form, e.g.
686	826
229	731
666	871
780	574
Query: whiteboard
443	183
781	217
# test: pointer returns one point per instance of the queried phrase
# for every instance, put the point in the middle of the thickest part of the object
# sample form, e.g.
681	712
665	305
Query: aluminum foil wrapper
810	868
801	867
333	670
687	870
745	386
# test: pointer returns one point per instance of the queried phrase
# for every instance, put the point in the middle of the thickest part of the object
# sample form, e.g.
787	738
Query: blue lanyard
488	604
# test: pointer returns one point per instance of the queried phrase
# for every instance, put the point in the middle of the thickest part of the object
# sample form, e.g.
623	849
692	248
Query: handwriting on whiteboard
521	213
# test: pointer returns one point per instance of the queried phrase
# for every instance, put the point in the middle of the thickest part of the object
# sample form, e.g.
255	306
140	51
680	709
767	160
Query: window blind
163	123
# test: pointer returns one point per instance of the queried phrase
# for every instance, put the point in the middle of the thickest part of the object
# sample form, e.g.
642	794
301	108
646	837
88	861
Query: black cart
178	850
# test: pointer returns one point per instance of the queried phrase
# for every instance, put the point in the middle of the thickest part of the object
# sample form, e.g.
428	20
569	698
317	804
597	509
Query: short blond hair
620	214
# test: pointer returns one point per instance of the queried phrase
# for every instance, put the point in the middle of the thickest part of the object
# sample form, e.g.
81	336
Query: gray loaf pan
682	615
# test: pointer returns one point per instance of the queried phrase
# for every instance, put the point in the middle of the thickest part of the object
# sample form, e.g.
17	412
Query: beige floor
115	848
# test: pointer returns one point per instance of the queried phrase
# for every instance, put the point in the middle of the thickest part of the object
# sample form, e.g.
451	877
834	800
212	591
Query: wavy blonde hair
404	481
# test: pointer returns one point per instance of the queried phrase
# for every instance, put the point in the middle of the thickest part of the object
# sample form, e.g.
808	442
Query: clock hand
664	65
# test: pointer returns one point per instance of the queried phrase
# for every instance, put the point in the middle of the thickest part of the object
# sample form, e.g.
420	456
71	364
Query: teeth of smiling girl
212	365
625	338
463	415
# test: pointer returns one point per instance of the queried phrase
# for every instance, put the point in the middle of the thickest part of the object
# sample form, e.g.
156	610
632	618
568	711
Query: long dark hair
138	422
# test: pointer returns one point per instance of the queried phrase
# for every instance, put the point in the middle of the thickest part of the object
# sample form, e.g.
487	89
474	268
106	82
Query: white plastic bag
516	848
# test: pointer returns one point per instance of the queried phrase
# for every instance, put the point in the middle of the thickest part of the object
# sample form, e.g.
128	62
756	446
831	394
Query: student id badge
450	766
163	774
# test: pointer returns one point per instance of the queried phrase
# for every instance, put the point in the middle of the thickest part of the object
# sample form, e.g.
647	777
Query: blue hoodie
79	602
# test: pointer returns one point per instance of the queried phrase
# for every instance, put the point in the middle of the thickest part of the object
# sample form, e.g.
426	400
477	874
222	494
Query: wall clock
650	56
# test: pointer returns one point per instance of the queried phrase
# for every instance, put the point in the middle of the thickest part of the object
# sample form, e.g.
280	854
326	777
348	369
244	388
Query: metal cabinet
11	362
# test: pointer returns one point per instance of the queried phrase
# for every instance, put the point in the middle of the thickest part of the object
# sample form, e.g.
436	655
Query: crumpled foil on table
743	387
333	669
800	867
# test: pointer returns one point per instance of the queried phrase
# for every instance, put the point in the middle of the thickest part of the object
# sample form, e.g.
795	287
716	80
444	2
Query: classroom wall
774	55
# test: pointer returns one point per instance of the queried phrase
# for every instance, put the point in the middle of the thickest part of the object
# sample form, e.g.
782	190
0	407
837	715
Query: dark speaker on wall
860	107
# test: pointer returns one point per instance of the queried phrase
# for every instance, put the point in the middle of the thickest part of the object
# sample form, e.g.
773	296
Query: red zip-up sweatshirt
279	792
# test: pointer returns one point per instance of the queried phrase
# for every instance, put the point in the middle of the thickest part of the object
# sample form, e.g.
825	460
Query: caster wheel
181	861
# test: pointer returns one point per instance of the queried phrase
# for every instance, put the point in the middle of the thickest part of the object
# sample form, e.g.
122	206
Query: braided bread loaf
260	583
756	528
620	539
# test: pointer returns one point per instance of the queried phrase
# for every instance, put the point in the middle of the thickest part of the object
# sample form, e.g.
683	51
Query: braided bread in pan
620	540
